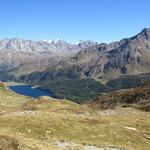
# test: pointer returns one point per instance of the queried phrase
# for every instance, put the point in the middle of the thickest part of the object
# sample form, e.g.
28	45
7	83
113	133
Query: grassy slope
138	97
38	124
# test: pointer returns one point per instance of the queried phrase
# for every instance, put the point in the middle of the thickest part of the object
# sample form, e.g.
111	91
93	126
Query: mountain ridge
130	55
55	47
90	59
26	56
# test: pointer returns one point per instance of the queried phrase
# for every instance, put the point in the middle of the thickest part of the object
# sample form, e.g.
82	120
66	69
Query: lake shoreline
29	90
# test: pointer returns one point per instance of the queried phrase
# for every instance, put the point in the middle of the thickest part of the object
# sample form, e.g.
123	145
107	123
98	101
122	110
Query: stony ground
50	124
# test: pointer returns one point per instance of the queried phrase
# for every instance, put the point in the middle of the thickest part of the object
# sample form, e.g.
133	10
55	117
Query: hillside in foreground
138	97
51	124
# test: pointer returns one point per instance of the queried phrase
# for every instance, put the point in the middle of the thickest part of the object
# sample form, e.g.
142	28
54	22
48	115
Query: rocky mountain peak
144	34
146	30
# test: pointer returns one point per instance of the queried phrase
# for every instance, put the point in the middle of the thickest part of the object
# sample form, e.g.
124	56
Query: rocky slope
129	56
13	59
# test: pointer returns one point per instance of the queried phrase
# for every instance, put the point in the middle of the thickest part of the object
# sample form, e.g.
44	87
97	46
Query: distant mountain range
27	56
57	47
89	59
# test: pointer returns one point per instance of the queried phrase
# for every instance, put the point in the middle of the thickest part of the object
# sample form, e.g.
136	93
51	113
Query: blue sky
73	20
